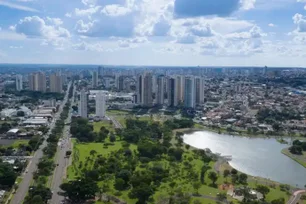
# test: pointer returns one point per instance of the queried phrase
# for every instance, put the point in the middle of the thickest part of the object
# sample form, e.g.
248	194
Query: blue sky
154	32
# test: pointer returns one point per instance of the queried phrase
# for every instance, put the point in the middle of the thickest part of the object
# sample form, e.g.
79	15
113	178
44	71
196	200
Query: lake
254	156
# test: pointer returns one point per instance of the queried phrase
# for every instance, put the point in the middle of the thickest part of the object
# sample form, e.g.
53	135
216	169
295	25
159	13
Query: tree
196	186
93	152
264	190
79	191
226	173
221	196
37	193
37	200
204	169
141	192
112	138
20	114
119	184
234	171
7	175
213	177
68	153
278	201
243	178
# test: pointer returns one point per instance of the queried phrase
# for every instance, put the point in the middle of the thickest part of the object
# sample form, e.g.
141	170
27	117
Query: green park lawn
18	142
107	124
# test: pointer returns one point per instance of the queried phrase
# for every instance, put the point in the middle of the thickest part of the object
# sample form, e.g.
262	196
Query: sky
154	32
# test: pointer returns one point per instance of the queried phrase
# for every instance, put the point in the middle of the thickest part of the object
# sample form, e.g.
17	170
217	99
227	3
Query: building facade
56	84
144	90
19	83
172	92
199	86
37	82
83	104
100	104
160	90
95	79
189	99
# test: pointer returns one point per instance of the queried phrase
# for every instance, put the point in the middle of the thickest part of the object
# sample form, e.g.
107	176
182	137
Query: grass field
19	142
107	124
13	143
82	152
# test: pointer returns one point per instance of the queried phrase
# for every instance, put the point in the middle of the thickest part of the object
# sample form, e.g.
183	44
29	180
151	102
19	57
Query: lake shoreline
200	127
258	177
286	152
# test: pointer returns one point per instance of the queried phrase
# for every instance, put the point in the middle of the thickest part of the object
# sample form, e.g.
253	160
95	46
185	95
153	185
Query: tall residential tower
100	104
83	104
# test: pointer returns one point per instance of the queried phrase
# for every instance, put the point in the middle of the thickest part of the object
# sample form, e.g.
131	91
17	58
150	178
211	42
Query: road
23	187
116	123
296	197
63	162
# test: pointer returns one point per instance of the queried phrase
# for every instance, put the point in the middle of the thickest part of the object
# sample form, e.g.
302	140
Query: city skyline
235	33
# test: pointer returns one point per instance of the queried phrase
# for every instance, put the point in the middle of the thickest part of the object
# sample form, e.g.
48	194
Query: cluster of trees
235	176
272	116
4	127
297	147
38	195
7	175
82	130
37	95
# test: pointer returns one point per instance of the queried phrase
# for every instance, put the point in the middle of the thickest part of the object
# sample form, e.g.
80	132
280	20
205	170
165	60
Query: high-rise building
56	84
160	90
138	89
94	79
37	82
189	99
199	89
100	71
172	92
83	104
121	83
180	88
144	90
19	83
147	99
117	81
100	104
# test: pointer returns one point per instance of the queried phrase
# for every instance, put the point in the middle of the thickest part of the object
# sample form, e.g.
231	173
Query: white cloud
202	31
17	6
300	21
68	15
86	12
271	25
115	10
186	39
37	27
248	4
161	28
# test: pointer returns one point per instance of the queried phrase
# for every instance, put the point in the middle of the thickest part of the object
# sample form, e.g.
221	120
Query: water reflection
254	156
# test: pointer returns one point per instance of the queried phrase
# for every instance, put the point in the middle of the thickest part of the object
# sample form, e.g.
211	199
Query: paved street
296	197
116	123
32	167
62	161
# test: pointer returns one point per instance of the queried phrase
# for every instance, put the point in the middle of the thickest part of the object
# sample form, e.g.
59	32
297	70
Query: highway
23	187
60	171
